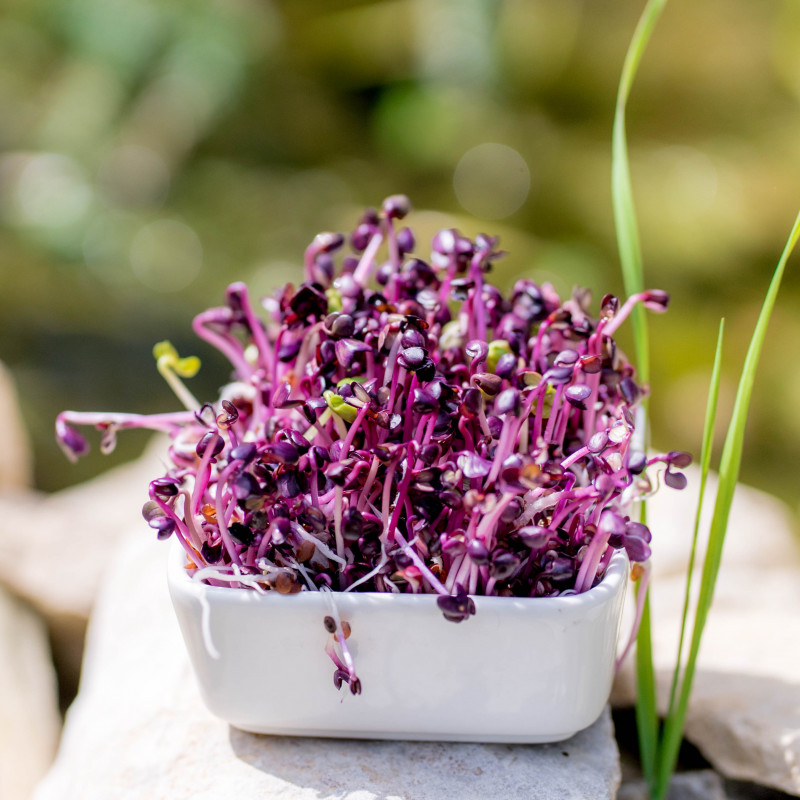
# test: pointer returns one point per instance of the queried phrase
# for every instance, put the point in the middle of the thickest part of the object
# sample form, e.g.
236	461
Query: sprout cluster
400	424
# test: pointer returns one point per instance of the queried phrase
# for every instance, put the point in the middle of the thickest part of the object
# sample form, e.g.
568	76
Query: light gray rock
743	790
29	719
55	548
749	728
138	729
760	527
16	463
700	785
744	714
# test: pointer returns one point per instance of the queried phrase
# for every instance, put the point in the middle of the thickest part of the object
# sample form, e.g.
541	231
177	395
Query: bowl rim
181	582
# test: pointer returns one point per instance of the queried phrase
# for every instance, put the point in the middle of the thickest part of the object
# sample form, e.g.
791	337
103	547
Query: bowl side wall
519	670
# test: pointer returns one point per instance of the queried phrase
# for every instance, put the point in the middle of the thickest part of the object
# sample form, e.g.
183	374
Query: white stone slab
55	548
138	729
29	718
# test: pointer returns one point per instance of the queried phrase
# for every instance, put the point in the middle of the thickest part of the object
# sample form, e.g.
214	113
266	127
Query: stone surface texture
29	719
697	785
138	729
745	709
749	727
76	530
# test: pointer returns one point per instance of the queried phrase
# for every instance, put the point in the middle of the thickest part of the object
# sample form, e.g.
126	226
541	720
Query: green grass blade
728	475
646	712
630	253
705	462
632	274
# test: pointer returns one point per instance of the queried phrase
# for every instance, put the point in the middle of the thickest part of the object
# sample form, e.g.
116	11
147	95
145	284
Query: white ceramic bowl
520	670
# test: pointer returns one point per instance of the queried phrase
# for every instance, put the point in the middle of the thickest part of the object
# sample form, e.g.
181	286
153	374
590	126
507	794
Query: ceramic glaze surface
520	670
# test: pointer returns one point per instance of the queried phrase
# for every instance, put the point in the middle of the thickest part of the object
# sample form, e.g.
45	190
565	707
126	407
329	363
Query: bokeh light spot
106	246
51	192
492	181
690	180
166	255
133	176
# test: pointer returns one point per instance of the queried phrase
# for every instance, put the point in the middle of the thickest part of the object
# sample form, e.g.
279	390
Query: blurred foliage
152	152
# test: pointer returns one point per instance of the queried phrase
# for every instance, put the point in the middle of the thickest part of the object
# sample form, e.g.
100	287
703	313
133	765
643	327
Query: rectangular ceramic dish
520	670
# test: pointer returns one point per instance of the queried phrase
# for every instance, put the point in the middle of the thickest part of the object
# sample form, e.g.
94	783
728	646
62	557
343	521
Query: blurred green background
152	152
